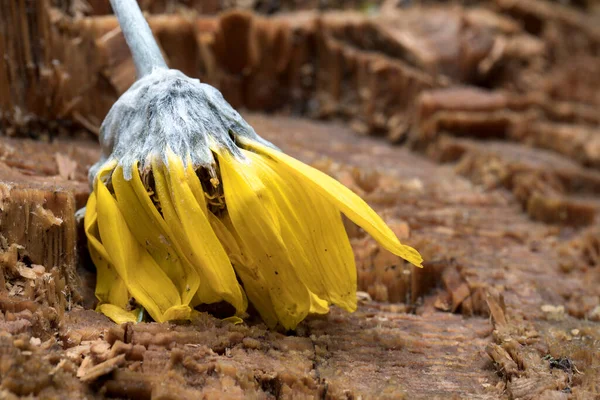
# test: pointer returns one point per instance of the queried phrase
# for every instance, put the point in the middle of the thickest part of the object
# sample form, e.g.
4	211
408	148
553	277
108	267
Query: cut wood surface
500	302
496	184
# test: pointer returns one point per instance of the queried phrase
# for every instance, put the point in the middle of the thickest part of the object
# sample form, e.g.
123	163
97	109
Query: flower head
190	206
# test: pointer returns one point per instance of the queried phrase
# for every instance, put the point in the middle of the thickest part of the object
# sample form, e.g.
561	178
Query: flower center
213	190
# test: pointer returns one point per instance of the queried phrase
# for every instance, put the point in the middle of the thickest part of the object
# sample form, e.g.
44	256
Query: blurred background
524	70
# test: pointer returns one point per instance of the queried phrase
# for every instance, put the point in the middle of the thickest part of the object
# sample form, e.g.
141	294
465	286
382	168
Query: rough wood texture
501	197
46	73
102	7
428	334
42	222
370	70
41	187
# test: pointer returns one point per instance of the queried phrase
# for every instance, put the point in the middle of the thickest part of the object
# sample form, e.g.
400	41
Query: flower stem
143	47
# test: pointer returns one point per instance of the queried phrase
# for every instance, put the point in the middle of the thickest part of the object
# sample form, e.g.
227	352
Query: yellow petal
255	285
195	186
224	231
90	221
348	202
145	280
211	258
151	232
90	225
117	314
110	288
313	232
178	312
317	305
205	293
173	233
104	172
252	212
234	320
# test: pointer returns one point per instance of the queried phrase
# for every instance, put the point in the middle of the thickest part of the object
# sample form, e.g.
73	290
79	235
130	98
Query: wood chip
507	366
92	373
497	308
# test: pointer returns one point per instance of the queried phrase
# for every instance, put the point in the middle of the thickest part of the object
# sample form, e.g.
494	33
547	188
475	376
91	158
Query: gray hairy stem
143	47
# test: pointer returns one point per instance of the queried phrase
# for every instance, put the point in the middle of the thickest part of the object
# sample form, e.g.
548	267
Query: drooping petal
252	212
318	305
255	285
313	232
196	187
186	211
145	280
348	202
192	211
110	288
151	232
205	293
118	314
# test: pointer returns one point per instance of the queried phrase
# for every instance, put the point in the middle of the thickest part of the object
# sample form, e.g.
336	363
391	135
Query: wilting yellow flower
190	206
267	227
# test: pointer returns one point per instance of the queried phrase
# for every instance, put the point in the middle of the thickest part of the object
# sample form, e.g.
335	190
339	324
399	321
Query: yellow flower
190	206
267	228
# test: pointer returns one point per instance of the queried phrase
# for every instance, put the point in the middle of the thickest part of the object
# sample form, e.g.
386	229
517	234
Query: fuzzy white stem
143	47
